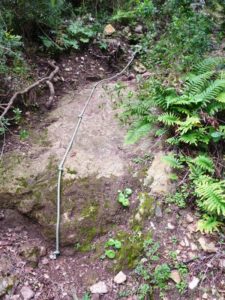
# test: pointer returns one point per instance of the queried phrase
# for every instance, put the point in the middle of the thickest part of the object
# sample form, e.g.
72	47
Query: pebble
194	247
189	218
170	226
175	276
27	293
99	288
158	212
45	261
193	283
206	246
120	278
205	296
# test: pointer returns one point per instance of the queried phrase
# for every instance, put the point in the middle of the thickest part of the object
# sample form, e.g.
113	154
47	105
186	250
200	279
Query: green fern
196	83
138	132
212	195
209	64
208	224
168	119
205	163
172	161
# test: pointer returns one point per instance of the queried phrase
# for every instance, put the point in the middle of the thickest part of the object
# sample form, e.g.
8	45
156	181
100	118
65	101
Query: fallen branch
26	90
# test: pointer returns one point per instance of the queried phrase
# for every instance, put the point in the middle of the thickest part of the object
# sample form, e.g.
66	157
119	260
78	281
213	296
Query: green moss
132	248
146	207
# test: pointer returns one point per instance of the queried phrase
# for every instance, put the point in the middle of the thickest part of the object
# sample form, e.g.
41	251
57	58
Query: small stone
109	29
194	247
175	276
120	278
45	261
191	228
205	296
99	288
194	283
206	246
27	293
68	69
158	211
186	242
43	251
139	68
138	29
170	226
189	218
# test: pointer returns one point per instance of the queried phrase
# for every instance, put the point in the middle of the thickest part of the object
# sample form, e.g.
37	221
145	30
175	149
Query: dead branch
26	90
52	94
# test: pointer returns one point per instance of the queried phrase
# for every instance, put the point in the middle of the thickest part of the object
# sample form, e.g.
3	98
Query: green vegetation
123	197
183	100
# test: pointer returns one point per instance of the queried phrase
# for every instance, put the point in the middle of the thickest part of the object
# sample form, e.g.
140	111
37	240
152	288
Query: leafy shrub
72	36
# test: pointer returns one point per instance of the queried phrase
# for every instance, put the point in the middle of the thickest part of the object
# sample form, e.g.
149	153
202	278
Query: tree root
35	84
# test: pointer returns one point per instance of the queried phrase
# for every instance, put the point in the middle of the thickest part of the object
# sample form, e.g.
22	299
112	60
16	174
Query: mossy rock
132	249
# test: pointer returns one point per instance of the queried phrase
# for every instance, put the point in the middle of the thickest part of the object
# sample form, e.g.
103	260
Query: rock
205	296
2	215
170	226
26	293
146	75
94	171
158	176
43	251
192	228
6	284
31	254
138	29
45	261
158	211
109	30
189	218
99	288
120	278
206	246
139	68
193	283
194	247
6	264
175	276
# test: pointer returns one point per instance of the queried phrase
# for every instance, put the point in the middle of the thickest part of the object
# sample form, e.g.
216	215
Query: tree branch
44	79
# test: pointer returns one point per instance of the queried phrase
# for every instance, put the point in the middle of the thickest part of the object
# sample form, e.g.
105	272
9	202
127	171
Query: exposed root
35	84
52	94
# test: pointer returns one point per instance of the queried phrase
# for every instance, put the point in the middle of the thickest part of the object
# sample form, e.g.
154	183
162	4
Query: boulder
96	168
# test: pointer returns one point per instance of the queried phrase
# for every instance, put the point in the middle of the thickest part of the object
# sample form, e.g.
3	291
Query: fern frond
137	133
211	194
168	119
208	224
196	83
211	93
172	161
188	124
209	64
205	163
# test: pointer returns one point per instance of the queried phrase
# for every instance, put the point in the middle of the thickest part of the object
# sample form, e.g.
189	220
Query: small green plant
144	290
162	275
111	245
24	134
123	197
86	296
